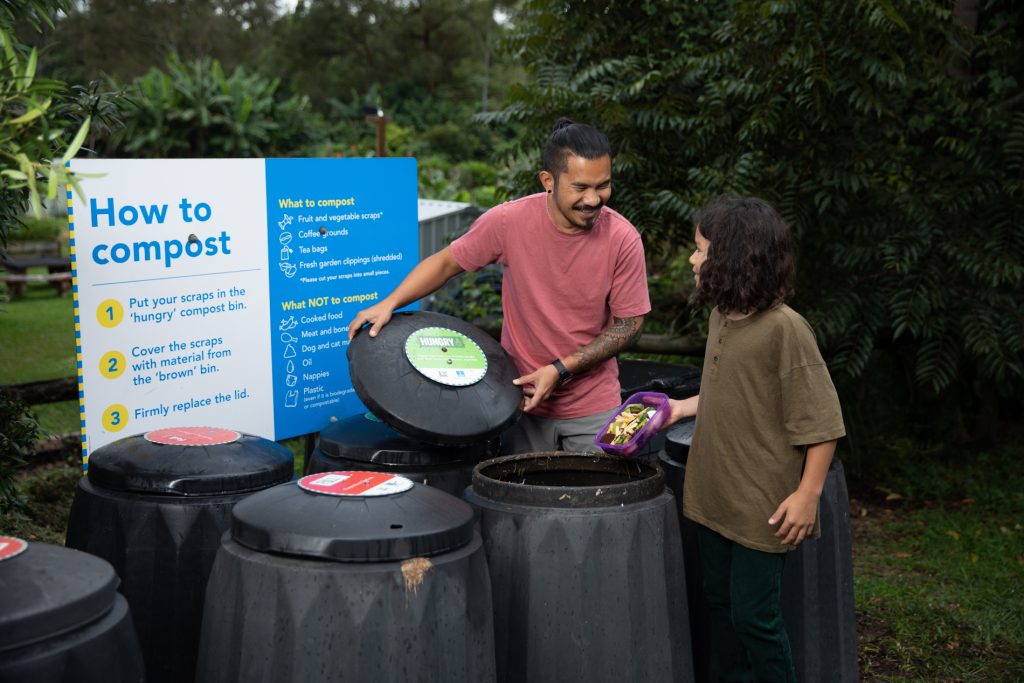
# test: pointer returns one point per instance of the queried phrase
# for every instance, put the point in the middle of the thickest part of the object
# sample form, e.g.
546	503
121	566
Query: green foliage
41	228
18	433
35	126
890	137
670	282
475	297
194	109
471	181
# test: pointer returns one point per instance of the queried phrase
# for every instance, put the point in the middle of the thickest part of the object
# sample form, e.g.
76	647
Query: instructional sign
218	292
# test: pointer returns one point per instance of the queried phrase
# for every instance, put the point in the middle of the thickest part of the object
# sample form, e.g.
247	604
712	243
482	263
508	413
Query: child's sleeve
810	406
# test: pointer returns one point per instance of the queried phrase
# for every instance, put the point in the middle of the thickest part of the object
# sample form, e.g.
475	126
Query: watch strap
563	372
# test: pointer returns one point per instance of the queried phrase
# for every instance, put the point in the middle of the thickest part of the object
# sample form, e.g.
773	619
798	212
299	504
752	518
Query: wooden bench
21	249
16	282
17	275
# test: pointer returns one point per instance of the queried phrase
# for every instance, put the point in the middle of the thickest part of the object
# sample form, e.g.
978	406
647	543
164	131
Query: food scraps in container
630	420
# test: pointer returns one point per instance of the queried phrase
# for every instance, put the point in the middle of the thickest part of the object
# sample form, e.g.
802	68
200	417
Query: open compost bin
586	569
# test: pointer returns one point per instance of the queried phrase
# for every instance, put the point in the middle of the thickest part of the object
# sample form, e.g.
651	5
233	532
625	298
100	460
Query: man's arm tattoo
620	335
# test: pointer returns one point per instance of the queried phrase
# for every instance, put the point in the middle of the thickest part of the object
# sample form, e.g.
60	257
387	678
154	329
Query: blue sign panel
343	235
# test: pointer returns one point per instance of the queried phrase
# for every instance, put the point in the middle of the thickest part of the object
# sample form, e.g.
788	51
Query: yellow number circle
115	417
110	313
112	364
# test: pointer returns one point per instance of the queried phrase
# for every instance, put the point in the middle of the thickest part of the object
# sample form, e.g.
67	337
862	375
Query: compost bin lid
436	378
365	438
353	516
189	461
678	381
47	590
678	438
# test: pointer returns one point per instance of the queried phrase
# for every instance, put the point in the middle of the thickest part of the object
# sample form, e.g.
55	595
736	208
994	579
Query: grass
48	492
38	341
938	576
37	335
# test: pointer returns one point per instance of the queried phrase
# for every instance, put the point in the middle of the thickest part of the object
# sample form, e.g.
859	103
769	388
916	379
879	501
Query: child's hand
796	514
680	409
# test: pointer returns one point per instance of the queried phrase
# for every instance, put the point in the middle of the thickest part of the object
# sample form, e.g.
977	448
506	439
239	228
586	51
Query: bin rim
648	483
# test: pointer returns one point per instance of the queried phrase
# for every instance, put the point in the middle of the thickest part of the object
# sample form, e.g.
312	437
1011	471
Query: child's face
699	254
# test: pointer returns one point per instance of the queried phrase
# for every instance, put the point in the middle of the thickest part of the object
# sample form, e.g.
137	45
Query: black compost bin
349	576
61	618
363	442
586	569
817	582
677	442
155	506
675	380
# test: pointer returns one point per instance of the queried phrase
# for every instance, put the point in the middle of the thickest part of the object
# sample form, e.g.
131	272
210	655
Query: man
574	291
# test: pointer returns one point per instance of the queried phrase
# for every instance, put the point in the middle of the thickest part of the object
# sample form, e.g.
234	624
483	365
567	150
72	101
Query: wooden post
381	121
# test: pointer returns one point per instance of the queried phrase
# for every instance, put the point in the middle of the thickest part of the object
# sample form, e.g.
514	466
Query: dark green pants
743	589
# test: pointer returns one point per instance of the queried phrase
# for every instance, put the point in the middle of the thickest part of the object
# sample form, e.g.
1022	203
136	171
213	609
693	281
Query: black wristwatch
563	372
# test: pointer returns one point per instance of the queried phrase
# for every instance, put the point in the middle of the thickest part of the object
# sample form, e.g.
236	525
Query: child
766	429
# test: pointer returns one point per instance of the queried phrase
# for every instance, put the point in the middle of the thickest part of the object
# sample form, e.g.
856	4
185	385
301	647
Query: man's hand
427	277
537	386
377	315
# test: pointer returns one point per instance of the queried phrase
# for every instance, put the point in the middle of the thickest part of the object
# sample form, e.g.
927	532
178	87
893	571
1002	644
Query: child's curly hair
749	261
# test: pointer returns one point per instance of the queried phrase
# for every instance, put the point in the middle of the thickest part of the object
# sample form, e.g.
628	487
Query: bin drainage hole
396	526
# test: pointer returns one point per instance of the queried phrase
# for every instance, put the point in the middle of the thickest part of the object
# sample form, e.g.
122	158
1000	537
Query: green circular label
446	356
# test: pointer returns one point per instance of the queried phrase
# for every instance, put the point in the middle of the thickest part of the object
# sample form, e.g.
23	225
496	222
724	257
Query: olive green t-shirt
765	394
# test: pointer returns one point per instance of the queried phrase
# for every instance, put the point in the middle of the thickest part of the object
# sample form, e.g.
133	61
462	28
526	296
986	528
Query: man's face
577	195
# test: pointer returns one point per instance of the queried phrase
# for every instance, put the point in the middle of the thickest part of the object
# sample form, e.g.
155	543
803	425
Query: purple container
651	399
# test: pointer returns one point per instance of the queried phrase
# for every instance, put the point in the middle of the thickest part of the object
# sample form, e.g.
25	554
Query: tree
422	58
194	109
122	39
889	134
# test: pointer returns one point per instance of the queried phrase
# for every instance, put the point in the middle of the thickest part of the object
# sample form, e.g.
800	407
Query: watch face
563	372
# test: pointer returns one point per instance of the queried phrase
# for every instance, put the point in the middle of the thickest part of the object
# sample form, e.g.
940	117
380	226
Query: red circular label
355	483
192	436
11	546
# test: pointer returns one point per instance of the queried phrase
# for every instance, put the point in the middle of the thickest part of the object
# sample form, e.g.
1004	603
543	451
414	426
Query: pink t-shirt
560	291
